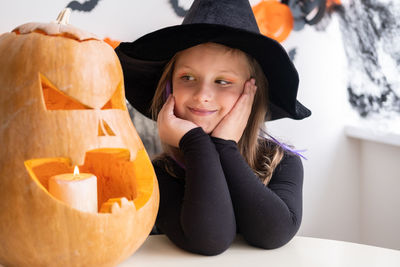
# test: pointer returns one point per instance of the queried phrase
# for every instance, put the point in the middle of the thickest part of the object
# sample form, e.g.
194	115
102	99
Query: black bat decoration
179	11
86	6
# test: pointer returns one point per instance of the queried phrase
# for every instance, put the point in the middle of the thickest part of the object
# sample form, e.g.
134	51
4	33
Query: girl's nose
204	93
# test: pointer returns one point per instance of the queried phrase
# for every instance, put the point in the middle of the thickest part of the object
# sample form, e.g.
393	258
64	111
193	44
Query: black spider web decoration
372	32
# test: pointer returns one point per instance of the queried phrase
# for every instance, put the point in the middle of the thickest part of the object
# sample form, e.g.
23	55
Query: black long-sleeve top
218	195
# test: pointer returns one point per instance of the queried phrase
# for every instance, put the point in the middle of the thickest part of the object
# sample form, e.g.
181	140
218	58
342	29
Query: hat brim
144	59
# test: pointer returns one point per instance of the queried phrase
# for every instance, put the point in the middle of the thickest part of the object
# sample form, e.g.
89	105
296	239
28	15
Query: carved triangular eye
117	100
55	99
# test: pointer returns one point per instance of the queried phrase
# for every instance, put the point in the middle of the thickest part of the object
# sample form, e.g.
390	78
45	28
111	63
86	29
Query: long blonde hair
262	157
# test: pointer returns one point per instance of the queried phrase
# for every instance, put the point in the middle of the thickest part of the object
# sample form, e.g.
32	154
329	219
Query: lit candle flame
76	171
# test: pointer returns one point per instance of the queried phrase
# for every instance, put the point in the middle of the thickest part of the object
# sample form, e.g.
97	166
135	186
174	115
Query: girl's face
207	81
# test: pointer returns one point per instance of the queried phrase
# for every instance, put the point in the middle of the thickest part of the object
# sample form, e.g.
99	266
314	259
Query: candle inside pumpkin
78	190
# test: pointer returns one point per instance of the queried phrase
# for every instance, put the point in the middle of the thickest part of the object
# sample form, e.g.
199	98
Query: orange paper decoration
113	43
330	3
274	19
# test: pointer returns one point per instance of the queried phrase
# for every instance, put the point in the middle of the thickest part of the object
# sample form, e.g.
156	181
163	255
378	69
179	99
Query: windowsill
373	135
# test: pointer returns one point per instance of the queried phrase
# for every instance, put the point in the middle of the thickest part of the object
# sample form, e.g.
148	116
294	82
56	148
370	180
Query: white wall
380	194
331	185
344	178
352	186
122	20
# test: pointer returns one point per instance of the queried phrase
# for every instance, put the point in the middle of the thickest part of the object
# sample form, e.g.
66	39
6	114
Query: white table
301	251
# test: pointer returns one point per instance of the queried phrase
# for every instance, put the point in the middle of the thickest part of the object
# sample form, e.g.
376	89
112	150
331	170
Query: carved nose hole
104	129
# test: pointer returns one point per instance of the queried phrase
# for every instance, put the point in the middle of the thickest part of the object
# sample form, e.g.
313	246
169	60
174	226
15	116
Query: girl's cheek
178	108
230	97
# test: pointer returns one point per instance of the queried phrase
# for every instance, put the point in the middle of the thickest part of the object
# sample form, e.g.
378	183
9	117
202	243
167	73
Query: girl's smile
207	81
201	112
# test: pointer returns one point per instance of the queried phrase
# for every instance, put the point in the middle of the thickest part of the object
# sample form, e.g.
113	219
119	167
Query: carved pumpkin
62	104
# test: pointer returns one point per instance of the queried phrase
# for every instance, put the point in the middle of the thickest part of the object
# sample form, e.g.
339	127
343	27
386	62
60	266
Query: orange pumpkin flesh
62	104
116	175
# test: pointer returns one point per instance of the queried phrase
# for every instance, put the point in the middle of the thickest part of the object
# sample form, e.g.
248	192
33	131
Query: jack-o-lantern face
62	104
56	99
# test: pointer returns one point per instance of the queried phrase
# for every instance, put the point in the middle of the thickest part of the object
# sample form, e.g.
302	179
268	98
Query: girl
218	80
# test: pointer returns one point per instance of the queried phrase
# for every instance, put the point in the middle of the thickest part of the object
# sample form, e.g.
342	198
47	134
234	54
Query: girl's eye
223	82
187	78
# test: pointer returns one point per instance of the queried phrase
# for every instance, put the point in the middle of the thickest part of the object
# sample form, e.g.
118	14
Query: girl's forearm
270	216
197	214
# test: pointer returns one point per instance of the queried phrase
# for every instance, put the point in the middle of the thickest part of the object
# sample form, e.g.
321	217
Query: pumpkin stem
63	17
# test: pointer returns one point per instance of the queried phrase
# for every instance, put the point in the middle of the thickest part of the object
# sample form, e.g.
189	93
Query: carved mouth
117	176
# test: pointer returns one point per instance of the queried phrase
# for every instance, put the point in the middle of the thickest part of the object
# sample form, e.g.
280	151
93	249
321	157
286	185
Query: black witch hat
227	22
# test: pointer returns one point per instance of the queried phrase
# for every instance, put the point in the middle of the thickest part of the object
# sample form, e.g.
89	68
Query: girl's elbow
211	251
211	241
212	247
269	243
271	240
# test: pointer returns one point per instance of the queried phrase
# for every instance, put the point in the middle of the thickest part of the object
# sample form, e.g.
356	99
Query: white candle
78	190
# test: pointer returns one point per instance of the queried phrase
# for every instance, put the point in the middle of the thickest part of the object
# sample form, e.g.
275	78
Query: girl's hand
231	127
170	128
